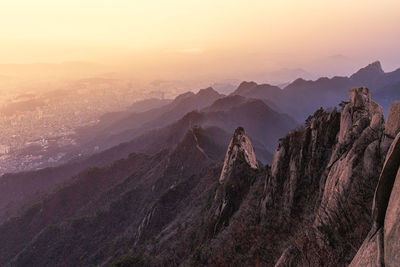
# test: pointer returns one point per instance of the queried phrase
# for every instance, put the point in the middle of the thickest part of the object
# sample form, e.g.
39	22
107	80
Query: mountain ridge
311	207
301	97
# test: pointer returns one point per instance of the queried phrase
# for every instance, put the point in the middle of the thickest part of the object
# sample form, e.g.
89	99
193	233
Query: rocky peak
360	97
209	92
353	168
375	66
368	73
240	147
299	163
244	88
345	167
359	113
237	175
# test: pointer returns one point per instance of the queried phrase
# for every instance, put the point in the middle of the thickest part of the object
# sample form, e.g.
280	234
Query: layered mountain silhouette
264	125
125	126
115	129
300	98
185	183
184	205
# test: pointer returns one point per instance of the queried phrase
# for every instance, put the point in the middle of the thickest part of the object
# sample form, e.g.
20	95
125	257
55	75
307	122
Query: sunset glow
277	31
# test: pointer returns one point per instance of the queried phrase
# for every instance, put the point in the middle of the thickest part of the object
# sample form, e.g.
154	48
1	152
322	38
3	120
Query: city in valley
38	128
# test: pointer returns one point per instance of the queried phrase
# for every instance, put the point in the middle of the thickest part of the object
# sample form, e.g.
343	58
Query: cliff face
240	148
355	162
237	175
339	210
299	163
186	206
382	245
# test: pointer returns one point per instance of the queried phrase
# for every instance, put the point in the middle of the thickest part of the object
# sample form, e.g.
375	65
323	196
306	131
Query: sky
210	37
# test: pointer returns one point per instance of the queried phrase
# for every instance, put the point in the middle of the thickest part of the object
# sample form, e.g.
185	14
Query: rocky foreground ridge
341	209
382	245
330	198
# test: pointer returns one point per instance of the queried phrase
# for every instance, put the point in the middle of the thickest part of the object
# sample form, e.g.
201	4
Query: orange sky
232	35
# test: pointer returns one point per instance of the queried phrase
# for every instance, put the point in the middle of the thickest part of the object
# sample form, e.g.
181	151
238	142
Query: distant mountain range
117	128
171	186
183	206
123	133
300	98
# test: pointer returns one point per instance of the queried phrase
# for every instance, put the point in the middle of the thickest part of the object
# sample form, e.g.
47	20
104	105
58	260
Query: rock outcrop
298	164
236	177
185	206
392	126
339	210
239	147
352	166
382	245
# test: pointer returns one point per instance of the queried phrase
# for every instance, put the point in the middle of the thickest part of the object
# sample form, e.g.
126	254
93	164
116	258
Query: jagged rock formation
382	245
346	185
239	147
263	125
236	177
299	162
184	206
369	74
355	155
292	190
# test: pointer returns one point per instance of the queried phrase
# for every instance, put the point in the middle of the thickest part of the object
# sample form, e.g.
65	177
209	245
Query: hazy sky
224	36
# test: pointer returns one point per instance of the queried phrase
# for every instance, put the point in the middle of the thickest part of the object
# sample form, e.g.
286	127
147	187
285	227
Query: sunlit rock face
240	146
350	163
382	245
392	126
299	163
360	113
237	175
353	164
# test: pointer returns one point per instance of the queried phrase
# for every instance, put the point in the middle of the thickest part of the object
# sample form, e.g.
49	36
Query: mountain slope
123	128
181	206
66	218
264	126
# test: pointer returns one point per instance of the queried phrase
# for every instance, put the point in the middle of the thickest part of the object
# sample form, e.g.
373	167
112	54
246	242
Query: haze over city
199	133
